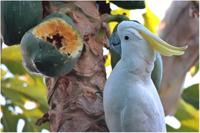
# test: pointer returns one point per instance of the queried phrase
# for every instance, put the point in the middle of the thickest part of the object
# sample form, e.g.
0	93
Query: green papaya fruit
17	17
52	47
134	4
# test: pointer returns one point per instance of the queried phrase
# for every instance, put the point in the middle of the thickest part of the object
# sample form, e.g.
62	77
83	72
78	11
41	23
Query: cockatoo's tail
157	43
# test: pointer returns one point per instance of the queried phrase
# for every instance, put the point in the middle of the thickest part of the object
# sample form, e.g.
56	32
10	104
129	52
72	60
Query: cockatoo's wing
132	116
157	72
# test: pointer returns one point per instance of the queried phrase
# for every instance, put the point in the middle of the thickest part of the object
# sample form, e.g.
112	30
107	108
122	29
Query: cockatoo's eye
126	37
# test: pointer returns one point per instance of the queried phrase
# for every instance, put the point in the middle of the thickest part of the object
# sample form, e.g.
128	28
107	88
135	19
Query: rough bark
179	27
75	100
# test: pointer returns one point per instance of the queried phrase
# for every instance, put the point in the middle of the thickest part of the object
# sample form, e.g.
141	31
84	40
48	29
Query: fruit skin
130	4
62	16
115	51
17	17
50	62
40	56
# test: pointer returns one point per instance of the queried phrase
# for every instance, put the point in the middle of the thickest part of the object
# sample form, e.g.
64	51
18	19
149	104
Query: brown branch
178	28
74	101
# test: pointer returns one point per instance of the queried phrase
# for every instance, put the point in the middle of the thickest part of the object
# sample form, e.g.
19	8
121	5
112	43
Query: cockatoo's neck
138	58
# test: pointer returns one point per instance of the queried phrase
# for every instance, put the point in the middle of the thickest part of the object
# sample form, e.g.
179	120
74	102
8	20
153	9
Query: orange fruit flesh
60	34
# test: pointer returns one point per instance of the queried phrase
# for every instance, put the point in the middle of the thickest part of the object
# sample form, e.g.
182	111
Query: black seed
58	38
49	39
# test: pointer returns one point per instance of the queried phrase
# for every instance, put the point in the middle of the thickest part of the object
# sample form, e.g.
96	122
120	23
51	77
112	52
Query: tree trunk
75	100
179	27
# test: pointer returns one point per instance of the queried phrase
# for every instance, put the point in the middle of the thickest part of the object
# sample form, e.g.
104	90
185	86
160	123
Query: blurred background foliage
23	95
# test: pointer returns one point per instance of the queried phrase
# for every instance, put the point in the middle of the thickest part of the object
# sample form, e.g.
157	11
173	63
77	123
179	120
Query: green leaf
191	95
16	89
189	118
12	58
3	73
194	69
9	120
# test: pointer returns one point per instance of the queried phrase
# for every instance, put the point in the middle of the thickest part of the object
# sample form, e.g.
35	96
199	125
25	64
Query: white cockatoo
131	102
115	53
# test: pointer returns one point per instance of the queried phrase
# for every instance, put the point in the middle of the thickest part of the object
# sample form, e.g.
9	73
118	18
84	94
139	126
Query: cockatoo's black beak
115	43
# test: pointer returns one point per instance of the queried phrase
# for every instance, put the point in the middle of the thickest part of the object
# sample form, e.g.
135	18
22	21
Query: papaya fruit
52	47
115	51
134	4
17	17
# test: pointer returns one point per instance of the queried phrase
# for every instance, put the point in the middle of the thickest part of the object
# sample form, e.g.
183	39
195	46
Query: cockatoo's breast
125	91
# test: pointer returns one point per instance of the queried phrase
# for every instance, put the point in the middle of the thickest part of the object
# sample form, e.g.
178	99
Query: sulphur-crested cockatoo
115	50
131	102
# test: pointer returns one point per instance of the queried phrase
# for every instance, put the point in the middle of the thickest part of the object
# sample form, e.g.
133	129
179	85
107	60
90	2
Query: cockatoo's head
135	34
114	40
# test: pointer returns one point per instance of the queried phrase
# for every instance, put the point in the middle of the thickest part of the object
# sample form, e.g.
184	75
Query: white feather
131	102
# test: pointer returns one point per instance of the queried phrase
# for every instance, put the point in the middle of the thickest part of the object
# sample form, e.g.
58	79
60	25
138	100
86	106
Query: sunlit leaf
118	11
10	120
18	90
3	73
108	61
36	92
194	69
151	21
107	1
121	11
189	118
112	26
12	58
